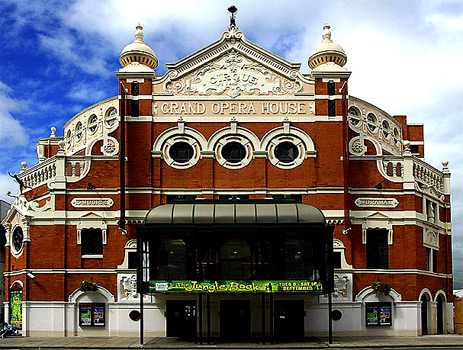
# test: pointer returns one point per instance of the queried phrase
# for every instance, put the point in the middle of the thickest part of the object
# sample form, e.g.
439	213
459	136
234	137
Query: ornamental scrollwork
233	75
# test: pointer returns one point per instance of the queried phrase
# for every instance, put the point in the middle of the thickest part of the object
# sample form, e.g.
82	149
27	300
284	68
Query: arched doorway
424	314
440	314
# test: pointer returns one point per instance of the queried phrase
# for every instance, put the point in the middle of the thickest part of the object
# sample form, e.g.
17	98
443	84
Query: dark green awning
234	213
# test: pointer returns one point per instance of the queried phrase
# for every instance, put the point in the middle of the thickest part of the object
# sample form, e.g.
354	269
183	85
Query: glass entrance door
235	319
289	319
181	318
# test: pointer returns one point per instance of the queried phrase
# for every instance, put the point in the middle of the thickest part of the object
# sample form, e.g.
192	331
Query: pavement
427	341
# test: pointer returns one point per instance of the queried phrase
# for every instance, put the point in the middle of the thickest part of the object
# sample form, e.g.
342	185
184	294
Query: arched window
171	259
235	258
298	259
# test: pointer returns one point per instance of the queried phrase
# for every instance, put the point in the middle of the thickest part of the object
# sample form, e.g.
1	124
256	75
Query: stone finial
23	166
53	131
407	146
61	145
139	33
326	35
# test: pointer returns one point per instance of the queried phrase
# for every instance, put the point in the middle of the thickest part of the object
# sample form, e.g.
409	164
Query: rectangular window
135	110
337	260
377	249
331	88
92	315
331	108
378	314
415	149
428	259
234	196
296	197
91	242
180	197
133	260
434	260
135	89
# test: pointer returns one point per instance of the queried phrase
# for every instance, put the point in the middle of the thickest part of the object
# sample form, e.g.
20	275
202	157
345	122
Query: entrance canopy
213	212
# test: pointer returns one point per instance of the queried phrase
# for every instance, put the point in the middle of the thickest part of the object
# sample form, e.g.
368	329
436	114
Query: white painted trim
74	296
396	297
16	282
59	271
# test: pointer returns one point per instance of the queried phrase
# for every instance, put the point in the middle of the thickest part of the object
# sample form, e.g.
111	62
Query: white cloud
7	184
12	133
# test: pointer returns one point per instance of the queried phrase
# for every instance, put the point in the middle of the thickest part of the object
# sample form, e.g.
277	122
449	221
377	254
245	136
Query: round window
354	116
78	131
111	117
286	152
386	129
372	122
181	152
17	239
233	152
396	136
92	124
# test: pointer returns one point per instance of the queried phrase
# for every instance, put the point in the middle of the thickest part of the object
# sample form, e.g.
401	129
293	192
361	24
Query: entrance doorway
424	314
440	315
289	319
181	318
235	319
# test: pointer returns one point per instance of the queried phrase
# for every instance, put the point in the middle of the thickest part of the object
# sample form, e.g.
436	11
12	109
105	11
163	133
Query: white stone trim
338	246
378	221
181	138
246	143
76	293
367	291
14	252
427	292
130	246
440	292
21	284
92	222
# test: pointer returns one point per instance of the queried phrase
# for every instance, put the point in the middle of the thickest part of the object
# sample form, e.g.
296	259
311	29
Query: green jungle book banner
275	286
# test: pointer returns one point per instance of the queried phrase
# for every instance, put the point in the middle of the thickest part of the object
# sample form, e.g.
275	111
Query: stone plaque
376	202
92	202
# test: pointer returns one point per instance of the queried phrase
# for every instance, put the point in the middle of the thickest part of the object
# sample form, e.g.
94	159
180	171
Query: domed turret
139	52
327	51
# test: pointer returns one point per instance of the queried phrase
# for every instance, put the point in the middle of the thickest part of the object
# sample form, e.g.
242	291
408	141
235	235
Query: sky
59	57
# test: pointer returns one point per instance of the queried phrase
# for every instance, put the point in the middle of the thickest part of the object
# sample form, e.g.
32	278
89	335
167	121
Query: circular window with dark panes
233	152
286	152
181	152
17	239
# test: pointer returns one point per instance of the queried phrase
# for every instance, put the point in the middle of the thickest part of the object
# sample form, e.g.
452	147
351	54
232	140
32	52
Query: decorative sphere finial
326	32
139	33
138	52
327	51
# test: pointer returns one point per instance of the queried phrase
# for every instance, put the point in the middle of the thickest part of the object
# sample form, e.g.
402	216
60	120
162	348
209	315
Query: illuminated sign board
265	286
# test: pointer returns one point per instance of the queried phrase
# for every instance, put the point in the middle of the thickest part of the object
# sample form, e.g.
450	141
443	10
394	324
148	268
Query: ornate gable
233	66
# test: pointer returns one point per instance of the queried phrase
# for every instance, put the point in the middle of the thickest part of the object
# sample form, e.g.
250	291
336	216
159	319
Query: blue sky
58	57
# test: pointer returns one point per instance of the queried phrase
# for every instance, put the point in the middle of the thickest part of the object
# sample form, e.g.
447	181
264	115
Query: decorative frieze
233	75
431	239
376	202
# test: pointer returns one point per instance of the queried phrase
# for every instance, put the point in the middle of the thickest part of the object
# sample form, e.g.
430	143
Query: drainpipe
123	91
345	157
